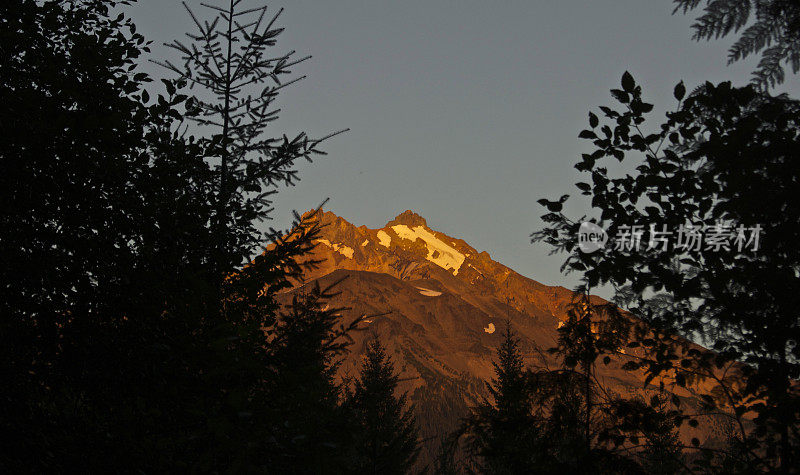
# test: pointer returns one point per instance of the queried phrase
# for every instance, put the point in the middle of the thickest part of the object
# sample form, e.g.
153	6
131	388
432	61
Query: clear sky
464	111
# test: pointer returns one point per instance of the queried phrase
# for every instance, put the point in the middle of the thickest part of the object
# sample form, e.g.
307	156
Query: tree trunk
221	264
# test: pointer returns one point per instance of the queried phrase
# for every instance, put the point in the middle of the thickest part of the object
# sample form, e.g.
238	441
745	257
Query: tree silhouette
721	163
311	431
502	435
106	245
589	425
563	419
231	61
386	438
774	32
114	351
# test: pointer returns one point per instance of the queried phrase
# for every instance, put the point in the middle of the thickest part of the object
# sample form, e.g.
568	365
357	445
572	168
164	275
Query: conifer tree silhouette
386	438
232	63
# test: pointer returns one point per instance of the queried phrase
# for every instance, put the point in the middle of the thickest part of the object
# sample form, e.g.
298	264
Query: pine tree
111	336
311	431
231	61
445	462
502	435
561	420
387	438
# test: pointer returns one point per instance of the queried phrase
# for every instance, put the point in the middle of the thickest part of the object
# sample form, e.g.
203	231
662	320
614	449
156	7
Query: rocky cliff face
440	306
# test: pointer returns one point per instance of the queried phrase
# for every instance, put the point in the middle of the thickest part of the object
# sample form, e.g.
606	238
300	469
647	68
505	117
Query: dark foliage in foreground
724	164
138	333
563	420
769	27
386	435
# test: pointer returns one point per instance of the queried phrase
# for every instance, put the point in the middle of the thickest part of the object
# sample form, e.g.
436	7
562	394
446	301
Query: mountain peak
409	218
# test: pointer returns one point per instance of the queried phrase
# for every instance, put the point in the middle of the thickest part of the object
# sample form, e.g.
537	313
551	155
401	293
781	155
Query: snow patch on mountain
439	252
429	292
366	241
384	239
489	329
340	248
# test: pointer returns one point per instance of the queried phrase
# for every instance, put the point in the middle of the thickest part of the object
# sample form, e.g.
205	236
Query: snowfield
429	292
340	248
384	238
446	256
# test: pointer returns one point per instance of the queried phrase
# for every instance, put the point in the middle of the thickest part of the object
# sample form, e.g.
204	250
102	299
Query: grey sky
465	111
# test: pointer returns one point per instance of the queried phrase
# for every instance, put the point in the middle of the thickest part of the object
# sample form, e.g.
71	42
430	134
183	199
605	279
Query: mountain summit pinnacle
409	218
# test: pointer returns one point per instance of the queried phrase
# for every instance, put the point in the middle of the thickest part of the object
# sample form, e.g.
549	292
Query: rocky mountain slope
442	306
